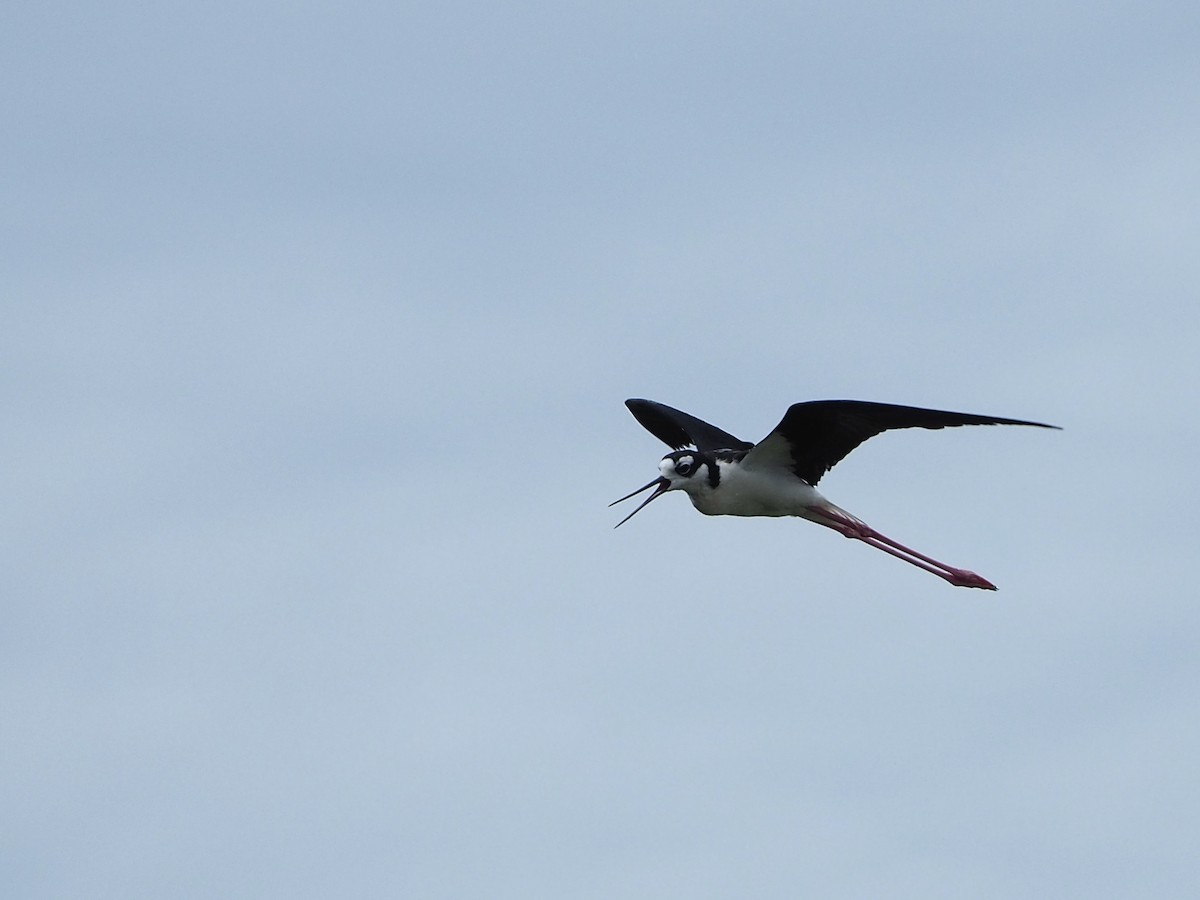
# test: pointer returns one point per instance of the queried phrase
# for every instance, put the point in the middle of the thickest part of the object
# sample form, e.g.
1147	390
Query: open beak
662	485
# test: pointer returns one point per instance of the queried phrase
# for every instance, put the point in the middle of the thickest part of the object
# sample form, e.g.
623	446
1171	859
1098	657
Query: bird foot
963	578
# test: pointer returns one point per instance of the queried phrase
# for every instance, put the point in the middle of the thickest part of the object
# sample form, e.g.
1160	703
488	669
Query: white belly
755	493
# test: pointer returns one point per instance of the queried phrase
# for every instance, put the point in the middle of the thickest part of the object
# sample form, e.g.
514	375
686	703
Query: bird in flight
725	476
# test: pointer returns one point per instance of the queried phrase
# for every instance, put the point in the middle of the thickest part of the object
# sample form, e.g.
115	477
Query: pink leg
845	524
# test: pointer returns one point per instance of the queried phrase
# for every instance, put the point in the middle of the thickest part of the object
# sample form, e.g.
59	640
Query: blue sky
319	320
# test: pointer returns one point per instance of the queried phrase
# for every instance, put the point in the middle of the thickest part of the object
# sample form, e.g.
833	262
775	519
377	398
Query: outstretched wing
813	437
678	430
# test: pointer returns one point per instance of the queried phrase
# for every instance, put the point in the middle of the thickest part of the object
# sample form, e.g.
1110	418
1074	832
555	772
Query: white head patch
670	467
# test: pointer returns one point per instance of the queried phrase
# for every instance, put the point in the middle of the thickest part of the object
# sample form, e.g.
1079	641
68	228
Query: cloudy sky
318	320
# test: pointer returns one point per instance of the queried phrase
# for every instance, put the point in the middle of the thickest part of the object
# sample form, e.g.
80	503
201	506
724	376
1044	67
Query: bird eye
683	468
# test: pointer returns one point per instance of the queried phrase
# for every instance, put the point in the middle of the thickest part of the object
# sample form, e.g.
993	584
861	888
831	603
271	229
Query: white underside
755	492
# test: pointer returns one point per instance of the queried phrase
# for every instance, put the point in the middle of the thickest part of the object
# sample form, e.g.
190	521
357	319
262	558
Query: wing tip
1029	424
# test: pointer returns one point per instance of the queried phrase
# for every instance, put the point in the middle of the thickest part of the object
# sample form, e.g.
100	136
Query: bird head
676	471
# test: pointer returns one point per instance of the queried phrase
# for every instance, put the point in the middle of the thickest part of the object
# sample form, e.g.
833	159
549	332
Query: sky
318	324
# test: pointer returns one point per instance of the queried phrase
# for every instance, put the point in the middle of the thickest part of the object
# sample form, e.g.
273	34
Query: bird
778	476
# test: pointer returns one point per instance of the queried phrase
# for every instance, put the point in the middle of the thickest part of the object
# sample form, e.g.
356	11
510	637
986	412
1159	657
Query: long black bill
661	483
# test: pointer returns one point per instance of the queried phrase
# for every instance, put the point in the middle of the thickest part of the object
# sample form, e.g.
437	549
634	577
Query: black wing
815	436
678	430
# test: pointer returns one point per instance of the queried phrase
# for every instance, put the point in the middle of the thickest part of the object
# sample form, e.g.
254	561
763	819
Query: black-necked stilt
725	476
